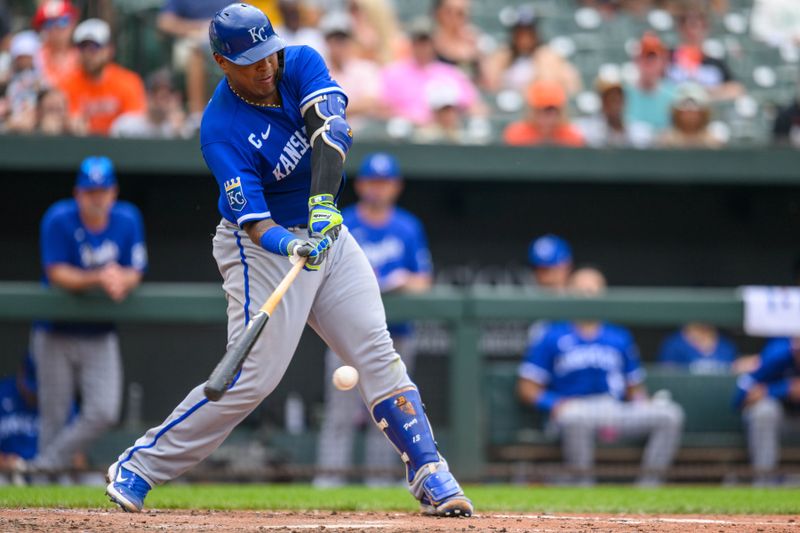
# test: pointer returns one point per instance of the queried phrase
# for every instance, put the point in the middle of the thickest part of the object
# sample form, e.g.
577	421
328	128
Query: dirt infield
103	521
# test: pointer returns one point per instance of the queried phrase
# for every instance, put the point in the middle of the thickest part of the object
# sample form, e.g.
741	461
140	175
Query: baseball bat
221	378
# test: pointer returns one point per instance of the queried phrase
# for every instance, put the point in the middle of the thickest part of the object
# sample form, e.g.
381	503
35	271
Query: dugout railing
735	166
463	310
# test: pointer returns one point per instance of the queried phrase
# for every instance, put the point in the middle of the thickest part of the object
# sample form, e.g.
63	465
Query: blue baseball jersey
395	249
679	352
64	239
570	365
261	156
19	422
780	363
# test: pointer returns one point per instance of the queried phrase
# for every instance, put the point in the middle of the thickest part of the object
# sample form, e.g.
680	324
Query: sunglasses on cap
58	22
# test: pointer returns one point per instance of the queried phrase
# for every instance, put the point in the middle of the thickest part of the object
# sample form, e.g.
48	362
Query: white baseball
345	377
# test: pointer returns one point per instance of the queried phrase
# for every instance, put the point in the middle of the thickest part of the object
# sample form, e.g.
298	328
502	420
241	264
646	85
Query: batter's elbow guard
328	110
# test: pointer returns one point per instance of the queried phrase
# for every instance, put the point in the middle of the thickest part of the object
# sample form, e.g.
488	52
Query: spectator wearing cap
25	84
99	90
55	21
164	119
186	21
608	129
376	31
395	245
689	63
90	241
447	125
551	259
455	39
546	122
649	99
360	78
298	28
406	82
527	58
691	114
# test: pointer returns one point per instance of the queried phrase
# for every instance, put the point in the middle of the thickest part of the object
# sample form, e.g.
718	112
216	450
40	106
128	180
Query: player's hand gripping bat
222	376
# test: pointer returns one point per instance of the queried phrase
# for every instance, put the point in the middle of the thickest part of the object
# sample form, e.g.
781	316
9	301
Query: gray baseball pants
341	302
344	413
581	420
67	364
764	420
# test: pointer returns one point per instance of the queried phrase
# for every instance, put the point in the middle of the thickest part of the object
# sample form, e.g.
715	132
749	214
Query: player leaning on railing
275	137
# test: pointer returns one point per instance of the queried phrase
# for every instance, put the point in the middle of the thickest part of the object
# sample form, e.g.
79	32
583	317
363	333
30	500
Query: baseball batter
275	136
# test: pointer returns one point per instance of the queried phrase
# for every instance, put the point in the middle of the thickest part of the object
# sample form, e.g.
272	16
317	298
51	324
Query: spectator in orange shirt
546	121
55	20
99	90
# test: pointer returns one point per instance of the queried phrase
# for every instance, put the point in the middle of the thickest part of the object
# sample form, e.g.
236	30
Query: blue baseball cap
96	172
243	34
379	165
549	251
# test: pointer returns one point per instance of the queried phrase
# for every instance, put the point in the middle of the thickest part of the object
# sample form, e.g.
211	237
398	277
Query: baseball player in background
275	136
87	242
19	418
551	259
766	396
396	247
587	376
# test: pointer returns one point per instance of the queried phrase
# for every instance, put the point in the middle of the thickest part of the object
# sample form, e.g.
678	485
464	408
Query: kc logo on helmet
258	33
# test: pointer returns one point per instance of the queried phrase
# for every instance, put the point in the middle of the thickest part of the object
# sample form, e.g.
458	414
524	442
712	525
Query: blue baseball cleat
442	496
126	489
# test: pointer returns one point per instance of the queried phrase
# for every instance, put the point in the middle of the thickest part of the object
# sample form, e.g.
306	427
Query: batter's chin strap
331	138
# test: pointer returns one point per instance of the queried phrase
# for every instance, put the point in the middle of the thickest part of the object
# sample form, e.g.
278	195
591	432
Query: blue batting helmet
379	165
96	172
243	34
549	251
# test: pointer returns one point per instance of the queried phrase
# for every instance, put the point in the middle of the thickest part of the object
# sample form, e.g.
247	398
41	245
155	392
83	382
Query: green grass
487	498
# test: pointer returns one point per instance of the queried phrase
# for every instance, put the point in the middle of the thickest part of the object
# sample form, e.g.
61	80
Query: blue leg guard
402	418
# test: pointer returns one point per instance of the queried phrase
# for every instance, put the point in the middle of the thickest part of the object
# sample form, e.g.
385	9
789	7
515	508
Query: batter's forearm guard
402	418
331	138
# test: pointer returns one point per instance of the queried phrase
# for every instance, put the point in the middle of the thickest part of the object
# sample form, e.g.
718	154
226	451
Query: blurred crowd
431	76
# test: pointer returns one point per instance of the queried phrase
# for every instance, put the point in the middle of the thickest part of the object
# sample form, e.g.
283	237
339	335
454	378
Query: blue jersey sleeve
311	76
134	253
537	365
241	190
417	254
54	241
776	359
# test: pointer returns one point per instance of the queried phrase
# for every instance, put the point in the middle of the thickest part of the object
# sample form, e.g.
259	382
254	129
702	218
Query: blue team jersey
64	239
677	351
395	249
260	156
570	365
19	423
779	364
